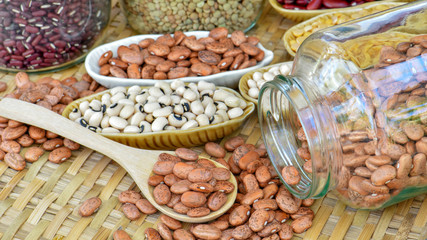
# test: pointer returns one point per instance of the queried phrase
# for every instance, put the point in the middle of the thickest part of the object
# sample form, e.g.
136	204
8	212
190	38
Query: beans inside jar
381	128
38	34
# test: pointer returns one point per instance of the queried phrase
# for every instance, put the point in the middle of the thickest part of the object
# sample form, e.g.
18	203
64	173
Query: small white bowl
228	79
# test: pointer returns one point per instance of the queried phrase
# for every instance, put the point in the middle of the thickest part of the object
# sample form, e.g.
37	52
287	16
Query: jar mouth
283	110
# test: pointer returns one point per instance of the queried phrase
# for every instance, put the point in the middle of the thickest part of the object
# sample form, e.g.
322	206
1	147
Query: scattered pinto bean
90	206
121	235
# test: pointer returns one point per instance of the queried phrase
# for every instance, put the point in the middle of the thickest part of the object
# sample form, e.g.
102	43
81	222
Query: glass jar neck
285	106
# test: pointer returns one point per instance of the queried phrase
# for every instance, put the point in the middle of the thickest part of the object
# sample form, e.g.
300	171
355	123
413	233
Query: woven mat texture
41	202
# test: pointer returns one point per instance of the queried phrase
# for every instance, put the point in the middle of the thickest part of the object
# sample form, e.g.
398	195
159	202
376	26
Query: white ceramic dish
228	79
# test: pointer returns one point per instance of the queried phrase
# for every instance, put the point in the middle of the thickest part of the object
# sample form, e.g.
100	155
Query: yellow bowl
301	15
329	19
171	139
243	83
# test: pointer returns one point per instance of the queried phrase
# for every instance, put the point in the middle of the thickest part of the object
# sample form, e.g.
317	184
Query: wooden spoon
137	162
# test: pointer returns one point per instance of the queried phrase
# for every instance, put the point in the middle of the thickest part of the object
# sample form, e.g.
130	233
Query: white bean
165	99
162	112
193	87
253	93
142	97
145	126
243	104
257	76
127	111
159	124
203	85
210	109
216	119
251	83
235	113
139	107
84	106
284	69
105	99
151	99
274	69
134	89
88	114
118	89
164	86
189	116
137	118
207	92
180	90
95	105
117	122
132	129
175	99
110	130
221	95
168	127
132	96
197	107
105	121
176	84
206	101
156	92
268	76
259	84
190	95
126	101
115	98
223	114
186	105
151	106
74	114
232	101
190	124
149	118
176	120
203	120
221	105
178	109
114	109
95	119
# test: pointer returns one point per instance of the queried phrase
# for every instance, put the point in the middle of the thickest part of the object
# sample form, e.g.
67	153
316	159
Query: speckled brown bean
182	169
286	233
202	187
234	142
12	133
155	180
14	161
182	234
186	154
178	72
2	154
383	174
152	234
215	150
129	196
131	211
224	186
181	208
25	140
53	144
403	166
59	155
200	175
105	57
162	194
209	57
33	154
10	146
419	165
286	202
145	206
163	167
121	235
90	206
220	224
258	220
193	199
36	133
217	200
266	204
170	222
181	187
71	144
242	232
221	174
218	33
301	224
164	231
270	190
251	196
250	182
118	72
240	151
171	179
239	215
206	231
291	175
198	212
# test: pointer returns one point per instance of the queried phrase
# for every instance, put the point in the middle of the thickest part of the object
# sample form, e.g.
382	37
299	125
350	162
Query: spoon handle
43	118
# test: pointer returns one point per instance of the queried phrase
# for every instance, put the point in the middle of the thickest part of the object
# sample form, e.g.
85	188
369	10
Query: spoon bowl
137	162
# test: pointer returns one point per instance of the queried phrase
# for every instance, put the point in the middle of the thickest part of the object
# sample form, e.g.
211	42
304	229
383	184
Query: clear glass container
352	116
148	16
45	35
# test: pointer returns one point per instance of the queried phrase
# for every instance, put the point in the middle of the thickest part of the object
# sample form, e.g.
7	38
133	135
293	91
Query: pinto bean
90	206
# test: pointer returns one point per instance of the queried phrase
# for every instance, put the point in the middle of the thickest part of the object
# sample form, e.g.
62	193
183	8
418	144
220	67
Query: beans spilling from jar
164	106
39	33
179	56
319	4
383	138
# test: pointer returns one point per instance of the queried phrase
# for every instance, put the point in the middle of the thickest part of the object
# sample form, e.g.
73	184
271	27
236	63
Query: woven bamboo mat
41	201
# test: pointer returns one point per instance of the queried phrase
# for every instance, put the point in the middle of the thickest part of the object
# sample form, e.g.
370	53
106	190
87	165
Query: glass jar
352	116
148	16
44	35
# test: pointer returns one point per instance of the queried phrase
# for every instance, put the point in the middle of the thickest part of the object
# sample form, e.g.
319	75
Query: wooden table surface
41	201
